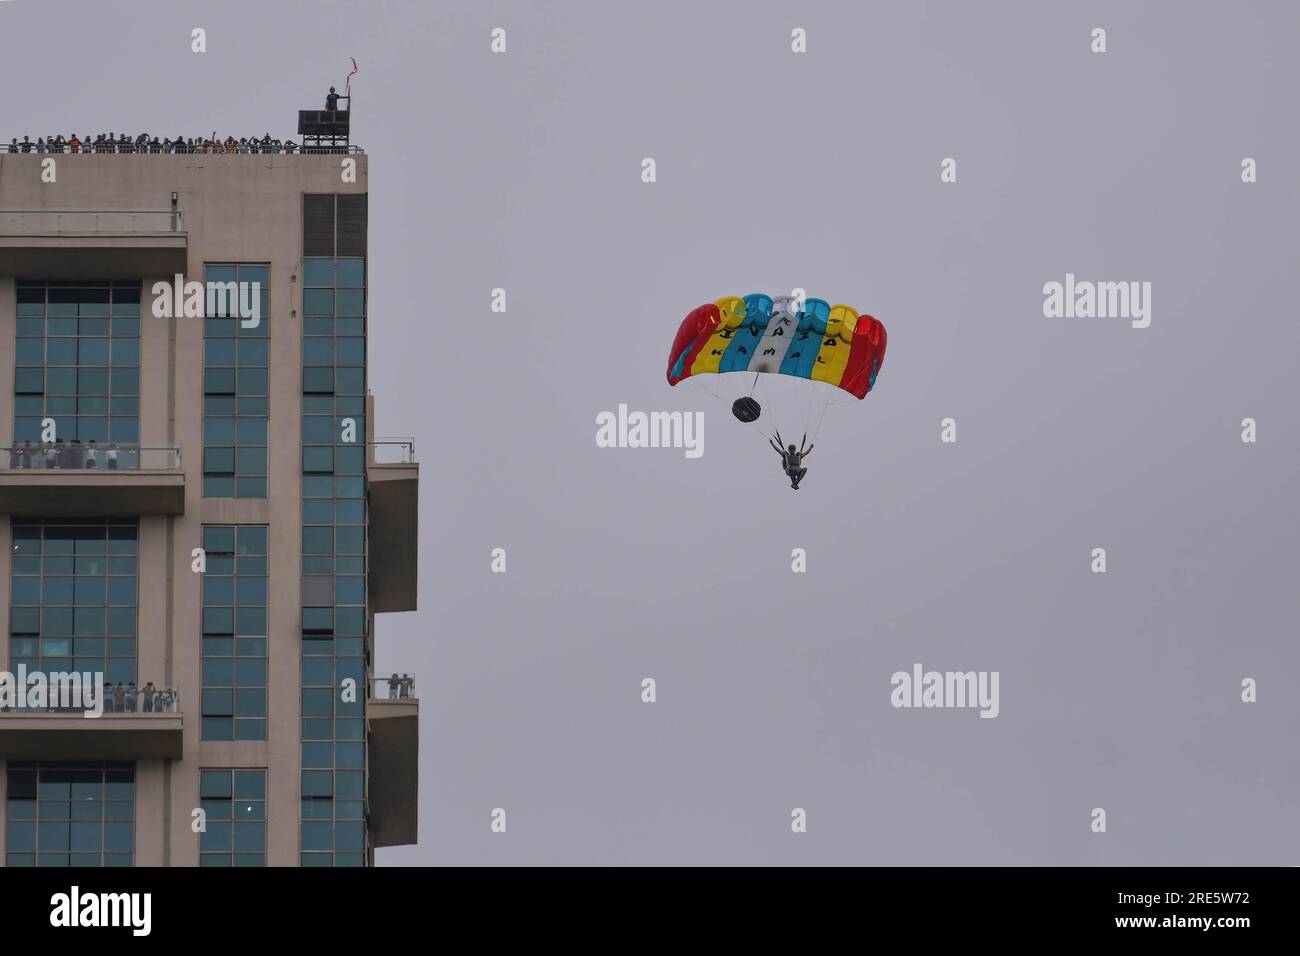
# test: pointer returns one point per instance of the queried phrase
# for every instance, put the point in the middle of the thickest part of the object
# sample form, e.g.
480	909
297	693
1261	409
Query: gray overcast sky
821	171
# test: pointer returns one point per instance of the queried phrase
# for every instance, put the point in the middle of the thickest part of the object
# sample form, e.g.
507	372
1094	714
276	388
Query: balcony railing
392	451
65	456
43	222
394	687
158	149
141	723
109	699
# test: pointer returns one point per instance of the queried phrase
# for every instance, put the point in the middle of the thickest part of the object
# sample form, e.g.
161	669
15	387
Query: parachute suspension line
818	429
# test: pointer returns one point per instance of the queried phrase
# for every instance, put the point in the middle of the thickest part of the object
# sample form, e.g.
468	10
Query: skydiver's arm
809	451
776	448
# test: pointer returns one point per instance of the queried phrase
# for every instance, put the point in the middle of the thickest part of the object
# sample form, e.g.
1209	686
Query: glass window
62	814
63	586
234	802
68	350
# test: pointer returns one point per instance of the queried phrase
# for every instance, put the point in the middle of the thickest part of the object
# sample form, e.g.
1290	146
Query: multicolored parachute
757	334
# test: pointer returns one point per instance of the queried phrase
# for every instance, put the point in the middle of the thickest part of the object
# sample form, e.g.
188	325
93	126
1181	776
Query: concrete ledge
83	493
394	535
393	728
72	255
37	735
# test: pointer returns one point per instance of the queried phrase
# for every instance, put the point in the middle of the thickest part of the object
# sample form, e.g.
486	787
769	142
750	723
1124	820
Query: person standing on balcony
130	696
146	695
111	455
16	458
92	454
119	697
106	694
27	454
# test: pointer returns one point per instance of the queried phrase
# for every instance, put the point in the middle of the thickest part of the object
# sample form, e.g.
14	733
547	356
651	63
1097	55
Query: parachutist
746	409
791	461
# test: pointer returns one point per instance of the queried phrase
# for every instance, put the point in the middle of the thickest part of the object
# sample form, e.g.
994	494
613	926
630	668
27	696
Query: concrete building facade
237	545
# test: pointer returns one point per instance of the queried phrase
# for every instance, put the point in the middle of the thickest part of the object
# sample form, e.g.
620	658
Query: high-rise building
193	505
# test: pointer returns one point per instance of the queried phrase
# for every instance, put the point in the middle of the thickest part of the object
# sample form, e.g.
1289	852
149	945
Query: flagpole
348	87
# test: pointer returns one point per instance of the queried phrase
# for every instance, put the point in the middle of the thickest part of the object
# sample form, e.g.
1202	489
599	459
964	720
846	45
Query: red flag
355	69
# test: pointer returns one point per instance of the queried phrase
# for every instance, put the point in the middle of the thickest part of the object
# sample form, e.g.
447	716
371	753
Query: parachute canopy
756	333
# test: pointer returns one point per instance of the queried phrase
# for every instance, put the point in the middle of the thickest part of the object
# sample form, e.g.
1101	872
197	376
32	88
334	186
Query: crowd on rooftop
144	143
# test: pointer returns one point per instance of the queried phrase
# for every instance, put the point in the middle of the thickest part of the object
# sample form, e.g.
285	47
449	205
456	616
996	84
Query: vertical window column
333	562
234	632
235	394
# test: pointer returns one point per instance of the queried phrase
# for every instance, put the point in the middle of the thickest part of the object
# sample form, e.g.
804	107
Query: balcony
393	726
108	243
83	732
79	481
393	477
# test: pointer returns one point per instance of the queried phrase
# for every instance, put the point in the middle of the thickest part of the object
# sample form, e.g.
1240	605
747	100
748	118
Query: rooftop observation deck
118	148
78	481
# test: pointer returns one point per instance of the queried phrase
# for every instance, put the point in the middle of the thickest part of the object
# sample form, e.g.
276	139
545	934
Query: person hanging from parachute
791	460
759	346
